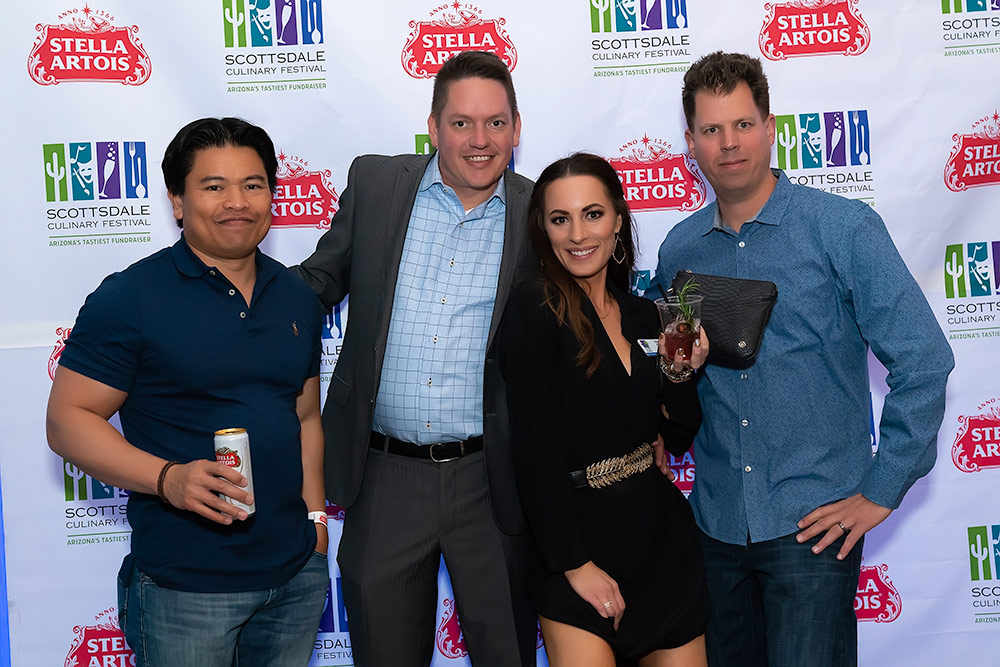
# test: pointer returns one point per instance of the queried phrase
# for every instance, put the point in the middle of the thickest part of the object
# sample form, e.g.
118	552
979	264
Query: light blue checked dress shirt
791	433
431	388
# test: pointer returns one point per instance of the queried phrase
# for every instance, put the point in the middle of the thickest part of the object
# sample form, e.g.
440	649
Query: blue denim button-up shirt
792	432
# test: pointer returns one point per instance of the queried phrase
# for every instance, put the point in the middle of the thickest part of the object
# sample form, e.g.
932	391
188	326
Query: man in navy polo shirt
207	334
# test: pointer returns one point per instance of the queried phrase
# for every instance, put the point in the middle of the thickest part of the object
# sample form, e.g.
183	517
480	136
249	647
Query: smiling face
475	136
732	143
580	222
226	205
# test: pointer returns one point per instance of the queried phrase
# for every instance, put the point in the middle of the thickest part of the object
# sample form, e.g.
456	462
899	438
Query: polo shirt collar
770	214
189	264
432	176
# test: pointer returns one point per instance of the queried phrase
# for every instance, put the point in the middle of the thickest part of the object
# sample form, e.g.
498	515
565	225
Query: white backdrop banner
895	104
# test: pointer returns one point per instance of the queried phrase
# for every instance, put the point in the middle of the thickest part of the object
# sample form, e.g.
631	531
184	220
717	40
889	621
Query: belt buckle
450	458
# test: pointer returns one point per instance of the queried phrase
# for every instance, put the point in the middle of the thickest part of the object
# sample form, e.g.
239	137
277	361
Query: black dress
641	530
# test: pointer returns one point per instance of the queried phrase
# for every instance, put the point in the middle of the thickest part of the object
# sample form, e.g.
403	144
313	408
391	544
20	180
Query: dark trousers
409	513
777	604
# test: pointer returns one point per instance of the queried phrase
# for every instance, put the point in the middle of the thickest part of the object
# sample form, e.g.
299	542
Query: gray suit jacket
360	255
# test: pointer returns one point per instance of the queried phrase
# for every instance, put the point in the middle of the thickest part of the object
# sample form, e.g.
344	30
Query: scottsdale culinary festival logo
452	29
877	598
983	548
333	641
829	150
654	179
972	290
302	197
970	27
635	37
975	158
86	45
273	45
99	191
800	28
100	644
977	443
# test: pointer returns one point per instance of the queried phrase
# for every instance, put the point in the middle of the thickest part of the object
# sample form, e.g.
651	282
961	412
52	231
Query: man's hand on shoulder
855	515
195	486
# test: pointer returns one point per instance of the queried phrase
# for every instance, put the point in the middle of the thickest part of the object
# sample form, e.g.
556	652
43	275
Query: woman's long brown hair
562	293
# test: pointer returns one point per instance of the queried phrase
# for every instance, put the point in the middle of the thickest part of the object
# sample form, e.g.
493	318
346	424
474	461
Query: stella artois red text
232	447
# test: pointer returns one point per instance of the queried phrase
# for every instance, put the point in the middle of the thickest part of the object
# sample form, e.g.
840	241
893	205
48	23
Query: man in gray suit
417	439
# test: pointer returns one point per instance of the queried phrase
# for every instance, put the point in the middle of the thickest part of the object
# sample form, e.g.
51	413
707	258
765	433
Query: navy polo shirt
178	337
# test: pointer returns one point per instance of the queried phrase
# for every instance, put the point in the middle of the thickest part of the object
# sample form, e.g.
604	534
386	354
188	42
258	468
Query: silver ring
607	605
843	527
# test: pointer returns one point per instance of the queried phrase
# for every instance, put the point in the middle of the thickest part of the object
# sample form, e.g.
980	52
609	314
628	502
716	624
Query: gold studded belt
609	471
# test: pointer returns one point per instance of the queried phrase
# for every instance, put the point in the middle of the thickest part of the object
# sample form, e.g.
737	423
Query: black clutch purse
734	312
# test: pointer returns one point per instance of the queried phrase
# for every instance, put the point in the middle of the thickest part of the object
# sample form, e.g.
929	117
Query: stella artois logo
228	456
100	644
813	28
683	469
977	445
302	198
58	350
654	179
454	28
450	641
335	512
975	158
877	599
87	46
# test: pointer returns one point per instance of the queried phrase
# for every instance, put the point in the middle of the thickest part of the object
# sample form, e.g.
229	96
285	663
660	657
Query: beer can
232	447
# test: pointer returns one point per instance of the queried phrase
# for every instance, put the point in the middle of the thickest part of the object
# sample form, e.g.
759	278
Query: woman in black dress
619	573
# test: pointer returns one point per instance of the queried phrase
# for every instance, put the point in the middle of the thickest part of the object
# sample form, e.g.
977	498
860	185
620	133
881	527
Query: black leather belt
439	452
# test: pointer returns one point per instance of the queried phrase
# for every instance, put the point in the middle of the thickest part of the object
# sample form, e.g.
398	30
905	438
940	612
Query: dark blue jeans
777	604
269	628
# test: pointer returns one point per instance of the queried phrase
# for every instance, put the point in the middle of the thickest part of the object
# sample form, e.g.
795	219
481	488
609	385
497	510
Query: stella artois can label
232	447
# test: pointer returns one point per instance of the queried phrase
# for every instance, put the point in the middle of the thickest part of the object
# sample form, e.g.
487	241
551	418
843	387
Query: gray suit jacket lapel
515	228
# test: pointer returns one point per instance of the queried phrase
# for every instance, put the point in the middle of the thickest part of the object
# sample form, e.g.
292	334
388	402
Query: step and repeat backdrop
896	104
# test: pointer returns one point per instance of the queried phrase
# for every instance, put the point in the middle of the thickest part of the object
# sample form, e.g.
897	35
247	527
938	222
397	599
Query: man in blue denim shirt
785	467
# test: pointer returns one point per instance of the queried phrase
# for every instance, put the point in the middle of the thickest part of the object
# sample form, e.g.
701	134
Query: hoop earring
619	244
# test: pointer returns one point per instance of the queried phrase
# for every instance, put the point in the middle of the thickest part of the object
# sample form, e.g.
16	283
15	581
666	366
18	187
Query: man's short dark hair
468	65
719	73
204	133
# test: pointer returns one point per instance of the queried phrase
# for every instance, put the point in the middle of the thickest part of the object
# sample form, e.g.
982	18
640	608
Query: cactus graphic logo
452	29
969	271
818	140
630	37
877	599
100	644
970	27
829	150
972	290
272	22
654	179
81	486
977	443
637	15
799	28
984	552
302	198
84	171
975	158
87	46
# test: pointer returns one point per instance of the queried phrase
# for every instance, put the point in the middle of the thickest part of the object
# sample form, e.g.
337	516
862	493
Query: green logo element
984	552
955	6
423	144
81	486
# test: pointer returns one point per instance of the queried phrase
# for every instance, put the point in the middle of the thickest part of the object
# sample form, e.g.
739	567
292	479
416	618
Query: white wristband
318	517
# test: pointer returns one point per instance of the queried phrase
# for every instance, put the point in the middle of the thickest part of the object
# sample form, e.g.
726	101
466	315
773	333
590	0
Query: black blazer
360	256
